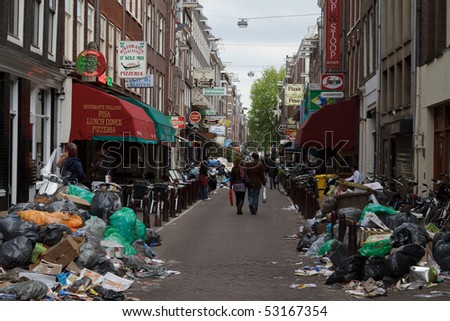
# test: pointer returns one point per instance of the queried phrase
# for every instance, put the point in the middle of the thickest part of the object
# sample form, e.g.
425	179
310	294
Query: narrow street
224	256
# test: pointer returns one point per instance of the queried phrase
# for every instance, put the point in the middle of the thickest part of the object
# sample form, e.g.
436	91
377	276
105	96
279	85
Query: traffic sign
195	117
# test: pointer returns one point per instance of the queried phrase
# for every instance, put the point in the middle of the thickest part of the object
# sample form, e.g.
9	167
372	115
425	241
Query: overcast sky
265	42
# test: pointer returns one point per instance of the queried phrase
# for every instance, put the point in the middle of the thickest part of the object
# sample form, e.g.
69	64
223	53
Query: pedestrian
254	181
204	184
272	171
237	183
65	154
356	175
72	165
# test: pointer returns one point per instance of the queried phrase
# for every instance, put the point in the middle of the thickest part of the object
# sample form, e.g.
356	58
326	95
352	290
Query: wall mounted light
61	94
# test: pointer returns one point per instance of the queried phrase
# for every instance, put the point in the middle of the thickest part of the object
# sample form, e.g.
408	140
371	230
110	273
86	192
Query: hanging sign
132	59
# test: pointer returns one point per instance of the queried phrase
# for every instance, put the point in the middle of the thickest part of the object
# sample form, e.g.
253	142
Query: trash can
322	182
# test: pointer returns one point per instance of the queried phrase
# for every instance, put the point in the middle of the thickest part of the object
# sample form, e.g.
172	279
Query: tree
262	117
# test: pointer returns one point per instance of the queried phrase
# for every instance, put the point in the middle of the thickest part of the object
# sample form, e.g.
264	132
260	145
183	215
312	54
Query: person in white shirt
356	177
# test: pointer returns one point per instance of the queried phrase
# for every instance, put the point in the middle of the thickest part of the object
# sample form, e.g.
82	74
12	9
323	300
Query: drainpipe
415	118
378	152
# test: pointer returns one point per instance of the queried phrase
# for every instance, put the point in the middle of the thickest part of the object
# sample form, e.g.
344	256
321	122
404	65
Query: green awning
164	129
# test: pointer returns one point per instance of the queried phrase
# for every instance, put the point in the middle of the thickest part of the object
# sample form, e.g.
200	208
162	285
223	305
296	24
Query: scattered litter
433	294
290	208
303	286
366	289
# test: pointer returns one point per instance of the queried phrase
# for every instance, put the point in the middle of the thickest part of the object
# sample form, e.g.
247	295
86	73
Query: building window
119	1
15	23
118	39
90	23
80	33
160	92
161	25
36	23
103	34
111	29
52	25
68	29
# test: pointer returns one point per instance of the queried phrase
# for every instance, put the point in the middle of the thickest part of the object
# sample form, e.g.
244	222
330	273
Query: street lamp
243	22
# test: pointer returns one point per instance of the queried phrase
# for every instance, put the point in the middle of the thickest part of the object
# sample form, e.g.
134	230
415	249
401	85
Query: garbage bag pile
54	250
393	250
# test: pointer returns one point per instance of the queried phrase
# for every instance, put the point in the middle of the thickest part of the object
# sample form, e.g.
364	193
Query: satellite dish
251	74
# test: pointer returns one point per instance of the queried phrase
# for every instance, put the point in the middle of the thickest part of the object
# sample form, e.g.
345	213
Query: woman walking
237	184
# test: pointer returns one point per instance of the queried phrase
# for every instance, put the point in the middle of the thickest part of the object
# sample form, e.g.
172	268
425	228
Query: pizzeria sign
132	62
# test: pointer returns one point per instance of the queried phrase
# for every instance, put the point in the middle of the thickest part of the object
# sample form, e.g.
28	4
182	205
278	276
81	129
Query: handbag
264	195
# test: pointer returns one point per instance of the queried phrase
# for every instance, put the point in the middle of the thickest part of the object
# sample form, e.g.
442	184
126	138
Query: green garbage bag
81	193
114	235
39	249
124	220
377	209
140	231
325	248
379	248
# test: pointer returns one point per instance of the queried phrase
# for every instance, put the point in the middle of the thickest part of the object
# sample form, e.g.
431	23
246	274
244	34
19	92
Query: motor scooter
51	182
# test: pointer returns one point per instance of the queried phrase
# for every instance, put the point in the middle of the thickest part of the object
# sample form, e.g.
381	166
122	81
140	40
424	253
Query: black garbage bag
28	290
373	268
61	206
306	241
90	252
109	295
143	249
134	262
152	237
394	221
16	252
19	207
409	233
52	233
398	263
13	226
351	269
338	253
329	205
441	250
351	213
104	204
104	265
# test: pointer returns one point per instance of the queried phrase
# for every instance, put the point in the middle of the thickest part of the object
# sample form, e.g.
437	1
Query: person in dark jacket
73	165
237	183
203	178
256	179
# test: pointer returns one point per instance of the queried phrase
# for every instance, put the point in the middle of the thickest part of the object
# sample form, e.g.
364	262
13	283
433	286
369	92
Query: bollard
172	208
196	189
352	227
184	196
342	227
146	213
165	214
158	210
189	194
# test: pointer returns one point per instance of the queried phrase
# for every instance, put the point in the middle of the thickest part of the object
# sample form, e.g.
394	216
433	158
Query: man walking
255	180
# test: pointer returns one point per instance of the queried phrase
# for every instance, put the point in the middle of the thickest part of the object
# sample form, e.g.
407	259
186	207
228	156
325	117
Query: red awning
330	127
97	115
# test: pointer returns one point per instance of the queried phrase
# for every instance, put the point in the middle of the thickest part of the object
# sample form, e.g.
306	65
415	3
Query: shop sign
332	94
218	130
203	77
146	82
132	59
333	31
195	117
215	91
91	63
177	122
214	121
333	82
293	94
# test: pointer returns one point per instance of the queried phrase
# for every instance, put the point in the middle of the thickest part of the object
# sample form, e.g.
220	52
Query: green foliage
262	115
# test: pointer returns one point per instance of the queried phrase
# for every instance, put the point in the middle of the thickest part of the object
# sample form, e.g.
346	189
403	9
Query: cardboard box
321	227
67	250
47	268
